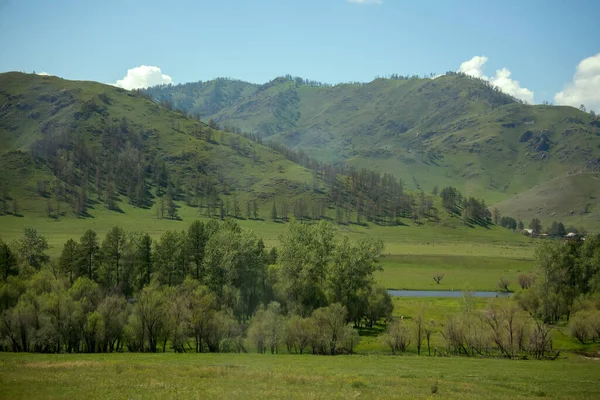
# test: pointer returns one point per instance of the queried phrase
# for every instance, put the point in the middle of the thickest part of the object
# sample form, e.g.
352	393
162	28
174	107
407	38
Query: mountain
452	130
572	198
72	145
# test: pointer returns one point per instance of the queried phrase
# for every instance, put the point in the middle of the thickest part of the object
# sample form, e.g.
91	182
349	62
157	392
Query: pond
443	293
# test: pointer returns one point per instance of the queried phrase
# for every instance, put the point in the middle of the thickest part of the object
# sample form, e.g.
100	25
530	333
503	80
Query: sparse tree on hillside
69	259
274	212
171	208
81	202
110	197
32	247
15	207
49	208
496	215
89	248
237	212
536	226
222	210
4	197
160	208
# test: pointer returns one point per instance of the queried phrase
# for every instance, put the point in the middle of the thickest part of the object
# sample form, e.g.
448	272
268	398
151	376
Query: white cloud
42	73
365	1
585	86
474	67
142	77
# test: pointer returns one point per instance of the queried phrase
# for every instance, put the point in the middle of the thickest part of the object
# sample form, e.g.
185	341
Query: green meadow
473	258
255	376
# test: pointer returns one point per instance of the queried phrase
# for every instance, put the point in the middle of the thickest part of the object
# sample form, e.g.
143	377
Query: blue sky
540	42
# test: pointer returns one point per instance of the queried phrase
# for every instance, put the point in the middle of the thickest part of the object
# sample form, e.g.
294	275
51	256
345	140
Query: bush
397	336
580	326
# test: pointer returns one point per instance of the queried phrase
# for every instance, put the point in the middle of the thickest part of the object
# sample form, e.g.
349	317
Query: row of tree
498	330
218	267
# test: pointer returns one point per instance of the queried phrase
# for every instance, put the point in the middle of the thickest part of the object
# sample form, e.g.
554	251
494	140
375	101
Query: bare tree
397	336
525	281
430	329
438	277
419	328
503	284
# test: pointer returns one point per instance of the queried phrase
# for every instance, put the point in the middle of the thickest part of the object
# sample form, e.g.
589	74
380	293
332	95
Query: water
443	293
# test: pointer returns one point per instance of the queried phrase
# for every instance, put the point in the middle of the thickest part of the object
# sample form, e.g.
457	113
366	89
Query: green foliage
565	271
32	248
8	262
89	250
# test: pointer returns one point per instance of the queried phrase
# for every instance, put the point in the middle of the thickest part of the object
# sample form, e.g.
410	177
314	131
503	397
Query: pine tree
255	209
140	192
237	212
81	202
49	209
98	183
274	212
160	208
222	209
496	215
15	207
4	198
109	198
248	210
171	208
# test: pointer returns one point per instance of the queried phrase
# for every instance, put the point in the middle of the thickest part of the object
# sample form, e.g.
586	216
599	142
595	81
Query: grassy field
473	257
254	376
416	271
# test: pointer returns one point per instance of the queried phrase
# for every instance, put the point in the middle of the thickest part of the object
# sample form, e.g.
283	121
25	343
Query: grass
571	197
253	376
425	240
460	272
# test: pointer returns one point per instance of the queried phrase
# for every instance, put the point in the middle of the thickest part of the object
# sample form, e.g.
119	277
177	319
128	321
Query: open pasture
254	376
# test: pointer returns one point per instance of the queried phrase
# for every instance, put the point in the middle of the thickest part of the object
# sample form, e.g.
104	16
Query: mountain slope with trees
72	148
76	146
453	130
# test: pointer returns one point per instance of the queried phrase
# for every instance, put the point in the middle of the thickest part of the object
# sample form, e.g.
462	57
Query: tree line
211	288
216	288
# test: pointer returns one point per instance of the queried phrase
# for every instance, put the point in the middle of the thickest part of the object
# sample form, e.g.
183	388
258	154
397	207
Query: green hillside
453	130
67	141
572	198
